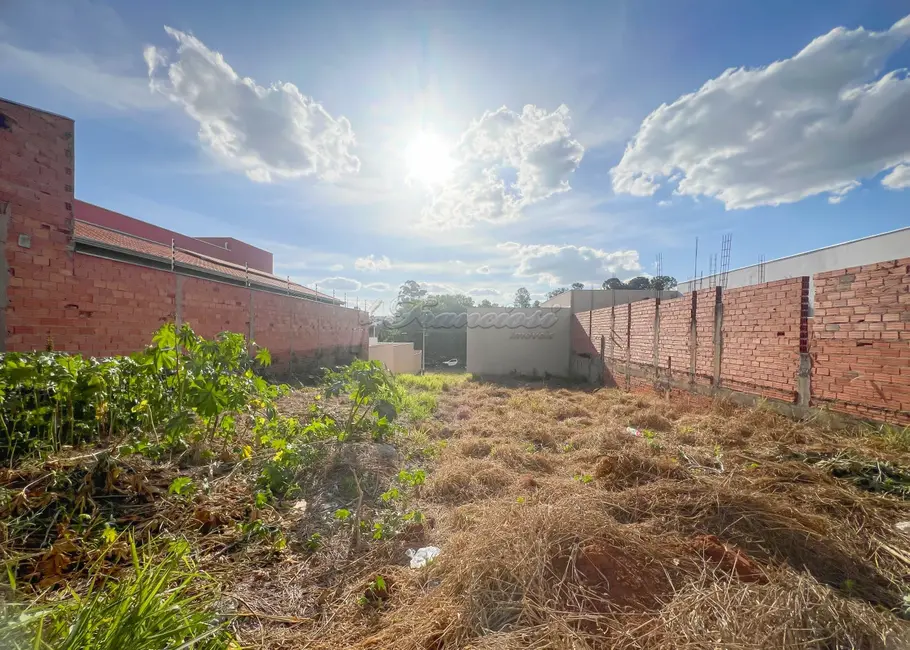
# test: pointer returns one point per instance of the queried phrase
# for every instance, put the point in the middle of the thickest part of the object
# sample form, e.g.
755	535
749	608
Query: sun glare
428	160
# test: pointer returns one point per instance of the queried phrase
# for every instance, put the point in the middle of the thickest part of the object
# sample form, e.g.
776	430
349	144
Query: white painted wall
587	299
498	351
877	248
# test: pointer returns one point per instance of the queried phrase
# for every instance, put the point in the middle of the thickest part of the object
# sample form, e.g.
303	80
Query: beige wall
587	299
502	350
407	360
397	357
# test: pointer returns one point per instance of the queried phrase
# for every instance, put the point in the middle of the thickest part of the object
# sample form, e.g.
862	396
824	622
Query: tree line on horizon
442	344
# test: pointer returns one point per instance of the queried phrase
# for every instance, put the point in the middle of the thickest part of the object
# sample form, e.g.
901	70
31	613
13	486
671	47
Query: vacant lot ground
566	518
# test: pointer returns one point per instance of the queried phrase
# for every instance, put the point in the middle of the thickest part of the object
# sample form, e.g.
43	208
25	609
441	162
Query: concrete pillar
803	378
803	381
628	347
718	334
602	362
252	324
612	331
655	352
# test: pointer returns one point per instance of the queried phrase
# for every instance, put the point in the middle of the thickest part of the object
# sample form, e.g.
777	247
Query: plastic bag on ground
422	556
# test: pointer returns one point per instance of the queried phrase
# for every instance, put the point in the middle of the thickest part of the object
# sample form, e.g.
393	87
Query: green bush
181	384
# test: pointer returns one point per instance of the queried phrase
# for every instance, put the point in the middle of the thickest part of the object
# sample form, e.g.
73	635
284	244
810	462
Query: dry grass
561	530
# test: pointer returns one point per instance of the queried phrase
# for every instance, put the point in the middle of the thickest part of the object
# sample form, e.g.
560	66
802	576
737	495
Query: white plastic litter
903	526
422	556
633	431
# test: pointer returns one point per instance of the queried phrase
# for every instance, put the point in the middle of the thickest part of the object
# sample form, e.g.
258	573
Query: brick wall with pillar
36	204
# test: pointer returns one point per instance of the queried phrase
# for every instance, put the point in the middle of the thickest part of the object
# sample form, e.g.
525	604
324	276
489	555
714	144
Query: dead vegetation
704	526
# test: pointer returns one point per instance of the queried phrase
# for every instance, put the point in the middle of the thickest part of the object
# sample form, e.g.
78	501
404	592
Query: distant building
222	248
868	250
104	233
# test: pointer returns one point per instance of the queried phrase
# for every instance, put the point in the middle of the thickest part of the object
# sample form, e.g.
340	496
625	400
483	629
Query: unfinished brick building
84	279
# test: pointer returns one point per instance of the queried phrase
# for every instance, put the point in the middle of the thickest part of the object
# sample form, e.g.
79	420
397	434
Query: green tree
411	291
641	282
555	292
613	283
523	298
577	286
663	282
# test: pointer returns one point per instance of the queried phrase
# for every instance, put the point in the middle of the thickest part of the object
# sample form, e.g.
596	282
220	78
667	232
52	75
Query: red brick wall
621	321
761	337
675	326
96	306
211	307
36	187
108	308
861	340
642	335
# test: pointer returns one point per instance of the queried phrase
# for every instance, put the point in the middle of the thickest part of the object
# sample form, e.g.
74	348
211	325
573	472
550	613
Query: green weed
160	605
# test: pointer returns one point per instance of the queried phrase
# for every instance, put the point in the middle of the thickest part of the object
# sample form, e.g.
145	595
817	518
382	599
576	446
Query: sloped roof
115	240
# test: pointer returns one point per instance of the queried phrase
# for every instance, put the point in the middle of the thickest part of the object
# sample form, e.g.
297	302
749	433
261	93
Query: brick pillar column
36	188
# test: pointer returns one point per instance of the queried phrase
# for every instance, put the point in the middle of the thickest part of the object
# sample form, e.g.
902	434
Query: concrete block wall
860	340
52	295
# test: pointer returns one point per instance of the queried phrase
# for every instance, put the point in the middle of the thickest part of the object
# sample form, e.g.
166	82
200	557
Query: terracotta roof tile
98	235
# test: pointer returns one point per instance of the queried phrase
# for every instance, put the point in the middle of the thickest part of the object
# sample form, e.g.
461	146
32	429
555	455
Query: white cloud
438	288
336	267
814	123
338	284
377	286
372	263
273	132
504	162
898	179
563	264
484	292
483	270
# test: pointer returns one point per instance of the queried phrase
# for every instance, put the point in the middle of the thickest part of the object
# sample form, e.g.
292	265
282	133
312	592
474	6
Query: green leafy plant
159	605
180	389
583	478
259	530
182	486
372	398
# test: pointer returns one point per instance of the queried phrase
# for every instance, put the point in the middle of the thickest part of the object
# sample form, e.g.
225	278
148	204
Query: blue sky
480	149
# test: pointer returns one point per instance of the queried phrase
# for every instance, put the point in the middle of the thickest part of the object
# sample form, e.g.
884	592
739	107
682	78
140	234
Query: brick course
860	340
761	338
675	326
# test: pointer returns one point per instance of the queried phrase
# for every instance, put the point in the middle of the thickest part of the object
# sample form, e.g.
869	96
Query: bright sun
428	159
